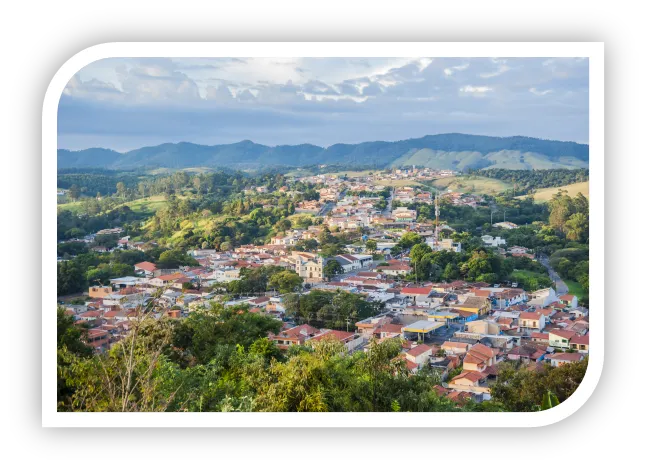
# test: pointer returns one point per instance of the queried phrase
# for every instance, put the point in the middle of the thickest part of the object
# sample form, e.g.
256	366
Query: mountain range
444	151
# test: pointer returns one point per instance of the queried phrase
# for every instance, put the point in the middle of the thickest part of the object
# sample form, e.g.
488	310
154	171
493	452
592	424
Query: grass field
147	204
397	183
471	184
575	288
544	195
74	207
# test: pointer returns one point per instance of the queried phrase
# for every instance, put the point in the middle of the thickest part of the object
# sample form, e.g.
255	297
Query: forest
526	181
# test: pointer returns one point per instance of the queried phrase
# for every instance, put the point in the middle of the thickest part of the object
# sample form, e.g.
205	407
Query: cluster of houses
462	331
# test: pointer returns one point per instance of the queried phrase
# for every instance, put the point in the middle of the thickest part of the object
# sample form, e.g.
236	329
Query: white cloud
458	68
476	90
344	93
502	69
539	93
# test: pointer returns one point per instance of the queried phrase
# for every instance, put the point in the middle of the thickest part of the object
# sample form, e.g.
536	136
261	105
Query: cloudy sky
129	103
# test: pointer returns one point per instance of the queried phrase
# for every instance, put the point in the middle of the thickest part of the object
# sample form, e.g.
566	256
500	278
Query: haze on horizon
126	103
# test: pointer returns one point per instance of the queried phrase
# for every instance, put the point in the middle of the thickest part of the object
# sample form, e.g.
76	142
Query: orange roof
420	349
417	291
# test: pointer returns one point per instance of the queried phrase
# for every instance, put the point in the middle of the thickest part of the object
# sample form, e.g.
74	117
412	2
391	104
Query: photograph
322	234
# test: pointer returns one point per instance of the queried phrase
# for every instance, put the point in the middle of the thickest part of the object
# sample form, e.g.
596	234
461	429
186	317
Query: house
560	338
350	340
475	304
559	359
581	343
531	322
471	381
490	241
540	338
455	348
419	295
387	331
260	302
419	354
145	268
506	297
446	244
99	291
394	268
98	338
294	336
164	280
527	353
570	300
507	225
542	298
479	358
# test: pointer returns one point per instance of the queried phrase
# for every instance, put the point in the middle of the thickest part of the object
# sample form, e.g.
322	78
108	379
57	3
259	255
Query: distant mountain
444	151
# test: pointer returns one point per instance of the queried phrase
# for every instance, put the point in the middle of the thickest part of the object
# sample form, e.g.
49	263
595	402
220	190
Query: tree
286	281
371	245
69	336
69	278
409	239
576	227
121	189
325	237
549	400
197	183
74	193
332	268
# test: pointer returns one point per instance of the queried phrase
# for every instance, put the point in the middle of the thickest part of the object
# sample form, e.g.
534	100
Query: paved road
389	205
561	286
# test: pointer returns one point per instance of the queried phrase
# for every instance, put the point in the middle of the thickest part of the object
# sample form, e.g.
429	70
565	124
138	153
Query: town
356	259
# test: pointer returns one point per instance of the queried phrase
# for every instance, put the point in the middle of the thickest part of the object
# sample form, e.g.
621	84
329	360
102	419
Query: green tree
371	245
286	281
74	192
332	268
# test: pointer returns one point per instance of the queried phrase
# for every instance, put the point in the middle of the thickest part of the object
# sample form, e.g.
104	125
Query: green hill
444	151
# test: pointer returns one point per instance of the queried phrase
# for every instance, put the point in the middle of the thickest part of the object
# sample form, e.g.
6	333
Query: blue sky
126	103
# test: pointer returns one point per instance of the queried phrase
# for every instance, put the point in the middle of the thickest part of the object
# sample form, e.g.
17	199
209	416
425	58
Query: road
561	286
389	206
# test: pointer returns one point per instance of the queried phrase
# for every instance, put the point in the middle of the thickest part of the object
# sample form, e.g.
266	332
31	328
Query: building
294	336
531	322
561	338
475	304
490	241
446	244
308	266
99	291
145	268
559	359
507	225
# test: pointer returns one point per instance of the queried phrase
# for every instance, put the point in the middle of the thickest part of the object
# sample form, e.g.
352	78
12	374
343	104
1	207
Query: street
561	286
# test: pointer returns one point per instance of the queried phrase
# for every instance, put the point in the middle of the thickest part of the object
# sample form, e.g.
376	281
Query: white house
490	241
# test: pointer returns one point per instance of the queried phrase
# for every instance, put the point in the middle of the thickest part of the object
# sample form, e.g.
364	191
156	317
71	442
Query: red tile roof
147	266
420	349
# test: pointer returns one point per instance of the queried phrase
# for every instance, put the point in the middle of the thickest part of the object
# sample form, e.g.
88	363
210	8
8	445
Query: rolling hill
444	151
545	195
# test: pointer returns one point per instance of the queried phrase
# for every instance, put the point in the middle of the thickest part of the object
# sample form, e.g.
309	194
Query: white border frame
595	53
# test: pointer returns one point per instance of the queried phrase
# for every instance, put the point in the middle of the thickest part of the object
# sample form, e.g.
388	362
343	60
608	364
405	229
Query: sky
128	103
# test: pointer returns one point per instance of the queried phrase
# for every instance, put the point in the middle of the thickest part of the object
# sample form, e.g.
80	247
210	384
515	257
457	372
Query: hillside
444	151
471	184
544	195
